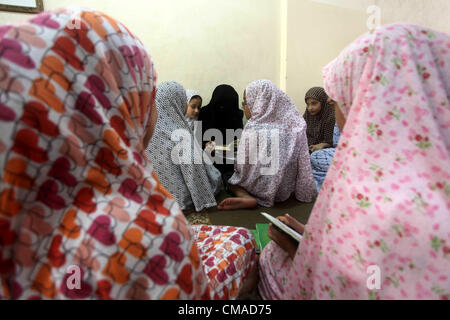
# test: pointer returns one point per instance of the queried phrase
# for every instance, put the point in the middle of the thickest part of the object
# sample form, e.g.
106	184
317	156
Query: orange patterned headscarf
78	197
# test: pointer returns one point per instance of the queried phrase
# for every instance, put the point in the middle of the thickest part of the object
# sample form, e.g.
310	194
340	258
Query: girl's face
247	112
313	106
193	108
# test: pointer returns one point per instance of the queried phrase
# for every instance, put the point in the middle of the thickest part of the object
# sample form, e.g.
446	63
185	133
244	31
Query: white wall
319	29
203	43
317	33
199	43
431	13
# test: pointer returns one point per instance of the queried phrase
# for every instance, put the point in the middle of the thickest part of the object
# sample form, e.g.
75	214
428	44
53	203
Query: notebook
261	236
261	232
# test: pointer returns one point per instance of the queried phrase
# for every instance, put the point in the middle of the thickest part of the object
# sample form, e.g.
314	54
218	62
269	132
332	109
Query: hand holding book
286	232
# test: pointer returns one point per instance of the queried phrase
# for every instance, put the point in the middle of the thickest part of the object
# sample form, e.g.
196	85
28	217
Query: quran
289	231
227	147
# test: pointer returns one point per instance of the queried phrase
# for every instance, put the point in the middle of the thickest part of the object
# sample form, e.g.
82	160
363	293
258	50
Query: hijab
280	131
222	112
78	196
320	127
183	172
189	95
380	227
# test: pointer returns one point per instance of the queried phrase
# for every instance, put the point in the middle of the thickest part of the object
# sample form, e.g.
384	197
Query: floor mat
248	218
197	218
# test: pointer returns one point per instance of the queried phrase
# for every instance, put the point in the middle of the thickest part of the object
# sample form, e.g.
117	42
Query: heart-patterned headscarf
82	214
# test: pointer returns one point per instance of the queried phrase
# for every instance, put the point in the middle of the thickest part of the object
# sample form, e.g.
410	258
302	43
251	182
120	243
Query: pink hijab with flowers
385	205
279	172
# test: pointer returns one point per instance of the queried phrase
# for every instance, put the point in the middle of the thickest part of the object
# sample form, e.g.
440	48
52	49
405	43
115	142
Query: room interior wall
430	13
199	43
317	32
203	43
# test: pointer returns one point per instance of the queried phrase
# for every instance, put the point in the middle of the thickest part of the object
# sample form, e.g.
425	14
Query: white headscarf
189	95
191	184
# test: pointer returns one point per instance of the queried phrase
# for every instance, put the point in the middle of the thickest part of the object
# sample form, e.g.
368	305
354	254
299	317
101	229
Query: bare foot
237	203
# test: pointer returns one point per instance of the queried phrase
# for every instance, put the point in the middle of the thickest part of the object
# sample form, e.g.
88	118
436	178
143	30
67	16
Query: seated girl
78	195
222	114
194	105
272	159
380	227
321	159
320	121
193	183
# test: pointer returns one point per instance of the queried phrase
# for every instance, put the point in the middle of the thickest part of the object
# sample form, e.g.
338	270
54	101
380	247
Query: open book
222	148
228	147
289	231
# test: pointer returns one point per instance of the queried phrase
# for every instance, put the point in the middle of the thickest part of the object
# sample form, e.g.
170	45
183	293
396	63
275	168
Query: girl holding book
384	205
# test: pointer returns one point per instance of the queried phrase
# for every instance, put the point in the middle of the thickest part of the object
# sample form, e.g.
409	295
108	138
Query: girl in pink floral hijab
272	159
380	228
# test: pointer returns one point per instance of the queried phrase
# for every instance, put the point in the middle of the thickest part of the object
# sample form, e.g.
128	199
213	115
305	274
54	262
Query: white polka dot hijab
193	184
